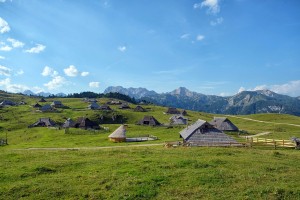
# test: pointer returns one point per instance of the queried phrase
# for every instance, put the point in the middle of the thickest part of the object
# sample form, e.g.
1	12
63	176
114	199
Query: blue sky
216	47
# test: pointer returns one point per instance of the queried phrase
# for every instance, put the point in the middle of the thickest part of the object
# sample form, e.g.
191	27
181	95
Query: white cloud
37	49
55	83
4	27
19	72
224	94
212	6
71	71
85	73
217	21
200	37
15	43
94	84
291	88
197	5
37	89
12	87
48	71
122	48
241	89
185	36
5	48
4	71
5	82
2	57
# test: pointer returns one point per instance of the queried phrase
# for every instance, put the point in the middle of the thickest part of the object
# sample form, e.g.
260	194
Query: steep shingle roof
119	132
223	124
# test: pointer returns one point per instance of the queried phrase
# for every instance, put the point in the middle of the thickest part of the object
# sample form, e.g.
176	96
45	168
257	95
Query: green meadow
81	169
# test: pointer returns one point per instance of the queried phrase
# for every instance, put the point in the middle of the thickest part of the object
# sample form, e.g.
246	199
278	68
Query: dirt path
249	119
256	135
88	148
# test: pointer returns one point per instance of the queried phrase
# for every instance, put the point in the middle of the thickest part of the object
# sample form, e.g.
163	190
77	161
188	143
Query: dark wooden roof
149	120
43	122
203	133
173	111
223	124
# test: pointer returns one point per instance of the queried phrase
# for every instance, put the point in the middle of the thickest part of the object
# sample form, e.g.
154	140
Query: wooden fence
272	142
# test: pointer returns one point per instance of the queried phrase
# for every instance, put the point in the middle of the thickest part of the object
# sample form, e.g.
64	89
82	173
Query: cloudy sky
216	47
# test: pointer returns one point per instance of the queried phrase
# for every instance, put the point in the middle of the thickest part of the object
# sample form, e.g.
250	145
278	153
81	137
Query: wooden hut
43	122
86	123
178	120
223	124
69	123
173	111
57	104
42	100
7	103
202	133
47	108
105	108
184	113
36	105
149	120
94	106
139	109
119	135
124	106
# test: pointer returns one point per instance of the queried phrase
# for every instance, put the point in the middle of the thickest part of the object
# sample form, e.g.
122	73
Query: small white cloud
85	73
224	94
15	43
94	84
122	48
71	71
55	83
5	82
4	71
5	48
197	5
48	71
185	36
217	21
4	27
241	89
200	37
37	89
12	87
212	6
37	49
19	72
2	57
291	88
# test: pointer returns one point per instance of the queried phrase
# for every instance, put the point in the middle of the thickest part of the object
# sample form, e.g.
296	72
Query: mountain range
246	102
42	94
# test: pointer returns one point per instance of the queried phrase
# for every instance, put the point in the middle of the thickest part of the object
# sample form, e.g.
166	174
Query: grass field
132	172
150	173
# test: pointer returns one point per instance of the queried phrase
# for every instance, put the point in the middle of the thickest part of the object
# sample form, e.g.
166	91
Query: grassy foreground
150	173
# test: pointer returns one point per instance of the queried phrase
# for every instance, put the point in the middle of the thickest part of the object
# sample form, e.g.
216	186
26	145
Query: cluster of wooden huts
203	133
197	134
81	122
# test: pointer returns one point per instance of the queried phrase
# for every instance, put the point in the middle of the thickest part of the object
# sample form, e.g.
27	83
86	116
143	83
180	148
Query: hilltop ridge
245	102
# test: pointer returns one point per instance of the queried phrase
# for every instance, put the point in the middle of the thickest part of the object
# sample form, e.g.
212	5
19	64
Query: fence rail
273	142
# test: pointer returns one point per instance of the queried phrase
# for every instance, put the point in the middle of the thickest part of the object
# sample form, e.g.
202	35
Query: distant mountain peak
182	91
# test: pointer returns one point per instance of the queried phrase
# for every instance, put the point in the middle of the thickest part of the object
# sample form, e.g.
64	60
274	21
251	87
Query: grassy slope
16	120
141	173
151	173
